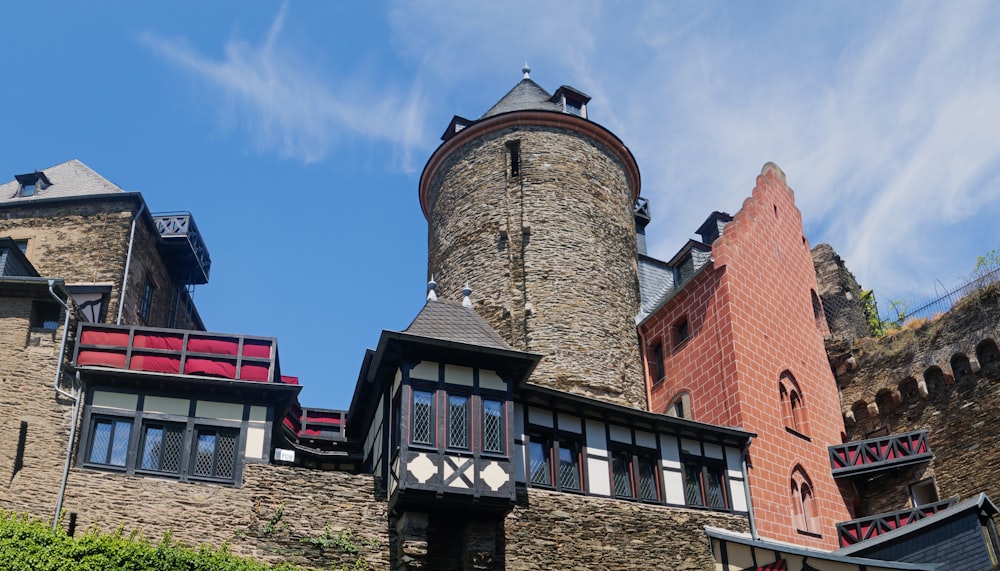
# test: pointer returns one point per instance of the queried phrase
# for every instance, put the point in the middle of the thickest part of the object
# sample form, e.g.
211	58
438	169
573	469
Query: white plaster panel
598	481
620	434
674	484
713	451
690	446
597	442
519	463
166	405
518	421
490	380
426	370
123	401
734	461
393	475
220	410
258	413
670	453
570	423
737	491
255	443
456	375
540	416
645	439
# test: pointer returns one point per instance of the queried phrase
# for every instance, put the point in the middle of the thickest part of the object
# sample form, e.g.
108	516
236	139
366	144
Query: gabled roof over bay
448	321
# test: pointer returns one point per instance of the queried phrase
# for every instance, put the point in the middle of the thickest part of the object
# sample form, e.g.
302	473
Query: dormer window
29	184
572	100
574	106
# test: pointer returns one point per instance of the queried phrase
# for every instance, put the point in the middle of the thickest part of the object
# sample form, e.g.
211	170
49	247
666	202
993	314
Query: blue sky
295	132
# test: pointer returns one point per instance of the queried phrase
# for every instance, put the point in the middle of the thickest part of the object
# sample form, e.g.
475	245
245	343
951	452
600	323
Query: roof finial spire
526	70
431	287
466	292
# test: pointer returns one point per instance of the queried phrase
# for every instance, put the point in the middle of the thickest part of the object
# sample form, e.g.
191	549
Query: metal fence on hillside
929	309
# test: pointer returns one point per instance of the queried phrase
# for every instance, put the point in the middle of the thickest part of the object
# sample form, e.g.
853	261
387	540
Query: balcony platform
875	454
179	353
863	529
182	248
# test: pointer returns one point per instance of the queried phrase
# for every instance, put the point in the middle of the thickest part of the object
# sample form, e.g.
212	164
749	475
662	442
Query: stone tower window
514	155
45	316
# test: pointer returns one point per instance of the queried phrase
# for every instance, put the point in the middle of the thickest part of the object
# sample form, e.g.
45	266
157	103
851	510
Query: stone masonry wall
307	517
87	243
943	376
27	398
840	294
80	242
560	532
550	254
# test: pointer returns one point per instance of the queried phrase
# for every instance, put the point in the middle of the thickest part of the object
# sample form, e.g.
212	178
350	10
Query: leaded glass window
538	463
647	479
705	484
493	432
162	445
422	415
692	485
569	467
715	496
109	441
458	421
215	453
621	466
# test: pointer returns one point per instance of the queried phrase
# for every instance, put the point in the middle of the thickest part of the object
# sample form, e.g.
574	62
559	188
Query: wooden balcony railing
179	352
865	456
863	529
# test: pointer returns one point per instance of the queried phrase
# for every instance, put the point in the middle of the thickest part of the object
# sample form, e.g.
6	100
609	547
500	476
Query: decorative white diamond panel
421	467
494	476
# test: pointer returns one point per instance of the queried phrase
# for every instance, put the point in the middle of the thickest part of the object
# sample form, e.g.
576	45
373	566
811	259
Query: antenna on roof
466	292
526	70
431	287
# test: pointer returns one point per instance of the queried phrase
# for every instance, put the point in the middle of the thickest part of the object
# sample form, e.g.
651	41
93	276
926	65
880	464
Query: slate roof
656	277
452	322
525	96
71	178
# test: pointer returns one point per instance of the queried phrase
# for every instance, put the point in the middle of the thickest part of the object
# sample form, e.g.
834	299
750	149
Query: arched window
805	516
680	406
817	307
793	409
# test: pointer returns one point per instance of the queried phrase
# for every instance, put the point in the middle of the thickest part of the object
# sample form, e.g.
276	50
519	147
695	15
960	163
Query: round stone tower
532	205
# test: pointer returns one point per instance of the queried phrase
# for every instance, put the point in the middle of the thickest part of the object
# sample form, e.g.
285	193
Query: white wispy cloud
293	107
884	117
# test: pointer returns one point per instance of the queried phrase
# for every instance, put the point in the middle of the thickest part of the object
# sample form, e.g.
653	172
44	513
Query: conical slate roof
525	96
452	322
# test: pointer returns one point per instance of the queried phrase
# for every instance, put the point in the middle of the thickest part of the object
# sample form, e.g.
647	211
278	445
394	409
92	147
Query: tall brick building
562	399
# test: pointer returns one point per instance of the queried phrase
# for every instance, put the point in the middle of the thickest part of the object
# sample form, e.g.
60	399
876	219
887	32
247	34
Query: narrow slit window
514	152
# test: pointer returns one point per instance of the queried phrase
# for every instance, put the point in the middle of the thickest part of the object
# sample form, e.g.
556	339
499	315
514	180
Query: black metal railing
180	226
942	304
865	456
865	528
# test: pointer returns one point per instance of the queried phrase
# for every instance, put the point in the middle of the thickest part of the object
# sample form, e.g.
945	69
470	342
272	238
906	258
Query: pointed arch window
805	515
793	410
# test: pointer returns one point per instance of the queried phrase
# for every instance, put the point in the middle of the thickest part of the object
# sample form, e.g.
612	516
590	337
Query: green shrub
29	545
